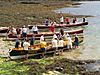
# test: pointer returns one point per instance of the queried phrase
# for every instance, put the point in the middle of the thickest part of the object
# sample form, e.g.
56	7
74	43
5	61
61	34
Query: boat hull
64	25
3	30
78	31
16	54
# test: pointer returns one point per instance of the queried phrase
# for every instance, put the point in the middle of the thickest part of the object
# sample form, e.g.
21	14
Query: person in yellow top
43	47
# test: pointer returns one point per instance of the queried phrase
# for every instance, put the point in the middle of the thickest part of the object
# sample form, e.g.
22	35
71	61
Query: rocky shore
61	67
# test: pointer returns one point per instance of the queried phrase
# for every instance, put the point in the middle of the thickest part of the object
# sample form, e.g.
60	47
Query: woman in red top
67	20
52	27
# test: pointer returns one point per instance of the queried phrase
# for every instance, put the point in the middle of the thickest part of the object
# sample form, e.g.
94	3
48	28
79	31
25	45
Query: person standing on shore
76	41
60	45
26	45
55	45
43	47
17	43
32	40
69	46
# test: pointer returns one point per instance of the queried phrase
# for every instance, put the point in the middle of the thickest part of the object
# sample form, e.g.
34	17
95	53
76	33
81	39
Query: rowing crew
57	42
67	20
24	31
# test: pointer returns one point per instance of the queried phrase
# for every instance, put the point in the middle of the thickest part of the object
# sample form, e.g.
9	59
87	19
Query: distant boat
64	25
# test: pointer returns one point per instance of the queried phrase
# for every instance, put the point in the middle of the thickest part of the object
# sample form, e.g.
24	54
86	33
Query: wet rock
58	69
31	63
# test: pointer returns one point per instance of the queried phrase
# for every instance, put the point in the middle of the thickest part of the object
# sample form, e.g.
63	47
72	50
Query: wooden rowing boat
77	31
36	38
64	25
16	53
5	29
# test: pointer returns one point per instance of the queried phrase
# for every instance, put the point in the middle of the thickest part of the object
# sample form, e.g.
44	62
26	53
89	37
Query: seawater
91	46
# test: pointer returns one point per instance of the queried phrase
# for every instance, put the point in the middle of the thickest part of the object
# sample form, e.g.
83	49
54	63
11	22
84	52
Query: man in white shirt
69	42
62	20
42	38
24	31
35	29
55	45
54	36
14	31
60	45
26	45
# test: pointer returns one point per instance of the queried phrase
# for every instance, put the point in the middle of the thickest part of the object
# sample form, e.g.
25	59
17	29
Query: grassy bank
19	13
47	66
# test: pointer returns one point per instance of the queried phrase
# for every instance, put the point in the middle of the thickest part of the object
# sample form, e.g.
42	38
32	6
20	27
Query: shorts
42	49
76	43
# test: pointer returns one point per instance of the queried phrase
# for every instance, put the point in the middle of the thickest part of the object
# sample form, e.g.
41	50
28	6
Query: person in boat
55	36
9	30
55	45
29	29
14	31
74	20
17	44
61	19
76	42
67	20
69	45
24	32
18	30
43	45
35	29
65	36
60	45
22	41
32	40
84	19
26	45
52	27
61	33
47	22
41	38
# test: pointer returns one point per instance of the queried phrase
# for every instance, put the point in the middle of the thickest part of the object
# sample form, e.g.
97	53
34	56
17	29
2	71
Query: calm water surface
91	48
